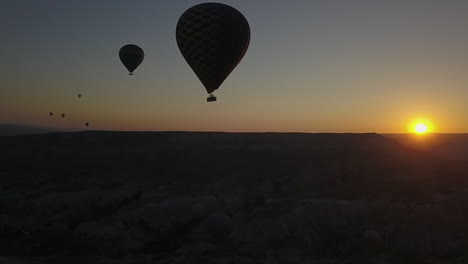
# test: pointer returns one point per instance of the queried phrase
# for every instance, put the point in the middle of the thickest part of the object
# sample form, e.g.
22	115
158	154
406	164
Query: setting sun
421	128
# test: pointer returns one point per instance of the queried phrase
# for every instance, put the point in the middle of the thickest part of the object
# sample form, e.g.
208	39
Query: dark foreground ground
124	197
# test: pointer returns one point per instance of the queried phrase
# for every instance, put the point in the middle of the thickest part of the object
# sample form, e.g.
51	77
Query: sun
421	128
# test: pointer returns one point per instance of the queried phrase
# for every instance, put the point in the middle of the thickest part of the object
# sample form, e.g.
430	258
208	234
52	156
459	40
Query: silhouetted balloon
131	56
79	95
213	38
51	114
86	124
63	115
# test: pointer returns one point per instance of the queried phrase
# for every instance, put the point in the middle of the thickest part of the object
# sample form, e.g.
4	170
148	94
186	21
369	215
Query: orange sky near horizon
325	66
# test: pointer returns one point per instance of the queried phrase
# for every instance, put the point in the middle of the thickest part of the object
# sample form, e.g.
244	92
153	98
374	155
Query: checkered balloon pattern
213	39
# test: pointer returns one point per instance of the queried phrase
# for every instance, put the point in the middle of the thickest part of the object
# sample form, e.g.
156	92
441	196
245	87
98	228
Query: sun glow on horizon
420	127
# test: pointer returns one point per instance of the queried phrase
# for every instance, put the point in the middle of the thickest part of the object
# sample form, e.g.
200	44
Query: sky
312	66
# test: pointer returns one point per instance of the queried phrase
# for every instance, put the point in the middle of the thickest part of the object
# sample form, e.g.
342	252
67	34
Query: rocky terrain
174	197
14	130
451	146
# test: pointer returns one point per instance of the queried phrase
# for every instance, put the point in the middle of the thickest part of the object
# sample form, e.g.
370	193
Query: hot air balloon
213	38
79	95
51	114
86	124
63	115
131	57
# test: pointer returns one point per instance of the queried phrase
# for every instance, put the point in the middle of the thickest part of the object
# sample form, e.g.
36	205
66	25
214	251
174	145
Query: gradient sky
312	66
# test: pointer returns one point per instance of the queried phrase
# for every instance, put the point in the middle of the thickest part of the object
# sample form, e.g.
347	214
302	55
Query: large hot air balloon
131	57
213	38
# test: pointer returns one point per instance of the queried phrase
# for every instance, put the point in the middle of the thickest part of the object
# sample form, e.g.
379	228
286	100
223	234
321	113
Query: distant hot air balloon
63	115
79	95
213	38
51	114
86	124
131	56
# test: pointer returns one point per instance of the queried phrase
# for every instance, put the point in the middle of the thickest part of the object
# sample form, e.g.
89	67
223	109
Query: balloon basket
211	98
131	73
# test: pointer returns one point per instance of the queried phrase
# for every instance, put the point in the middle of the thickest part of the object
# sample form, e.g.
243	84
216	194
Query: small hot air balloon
213	38
51	114
79	95
63	115
86	124
131	56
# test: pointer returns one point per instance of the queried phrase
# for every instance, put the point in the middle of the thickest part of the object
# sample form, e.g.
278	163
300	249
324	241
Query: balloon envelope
213	38
131	56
